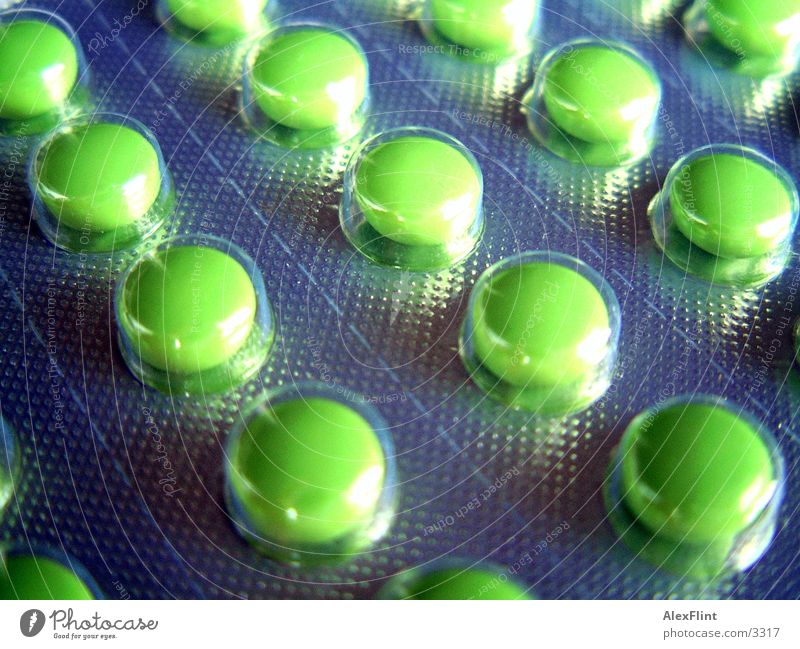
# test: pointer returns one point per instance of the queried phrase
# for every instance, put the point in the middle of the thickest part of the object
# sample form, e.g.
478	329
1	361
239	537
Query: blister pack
129	482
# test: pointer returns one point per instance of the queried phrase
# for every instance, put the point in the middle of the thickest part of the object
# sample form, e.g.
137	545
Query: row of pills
756	37
694	488
100	183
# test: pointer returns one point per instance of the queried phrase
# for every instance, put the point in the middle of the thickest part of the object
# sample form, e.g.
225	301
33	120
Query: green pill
193	316
458	584
485	27
600	94
98	177
187	309
541	331
418	191
309	78
413	199
39	70
696	472
307	475
726	214
755	28
232	16
732	205
541	323
25	577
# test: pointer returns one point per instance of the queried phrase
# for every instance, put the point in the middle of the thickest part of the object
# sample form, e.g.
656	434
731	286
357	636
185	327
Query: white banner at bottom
388	624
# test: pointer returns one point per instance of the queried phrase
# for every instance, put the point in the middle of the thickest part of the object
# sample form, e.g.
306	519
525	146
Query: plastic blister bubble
193	316
594	102
484	33
100	183
413	199
47	80
45	574
306	86
214	23
756	243
310	476
747	39
726	472
541	332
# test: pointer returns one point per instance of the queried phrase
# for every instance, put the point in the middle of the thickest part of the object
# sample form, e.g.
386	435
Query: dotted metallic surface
478	482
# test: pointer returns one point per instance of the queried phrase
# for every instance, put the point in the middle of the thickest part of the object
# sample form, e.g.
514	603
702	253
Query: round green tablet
217	15
99	177
731	205
600	94
695	472
418	191
187	308
309	78
39	70
30	577
490	25
307	472
463	584
541	324
755	27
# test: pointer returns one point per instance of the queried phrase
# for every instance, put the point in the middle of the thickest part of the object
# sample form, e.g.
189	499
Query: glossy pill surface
99	177
463	584
309	79
600	94
418	191
187	308
490	25
541	324
695	472
307	472
39	68
30	577
731	205
217	15
755	27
